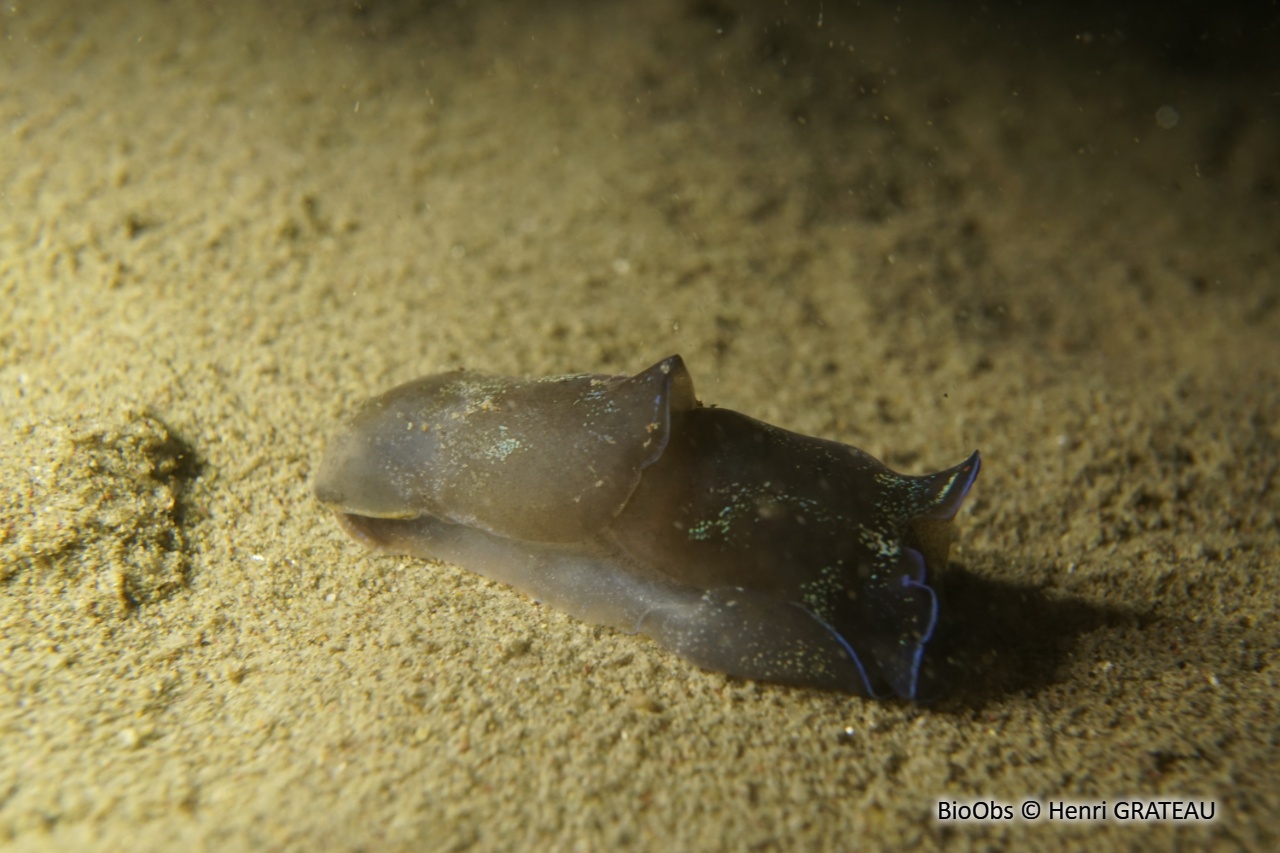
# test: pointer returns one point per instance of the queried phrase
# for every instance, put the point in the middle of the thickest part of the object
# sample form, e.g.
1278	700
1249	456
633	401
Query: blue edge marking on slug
948	509
911	683
862	671
908	581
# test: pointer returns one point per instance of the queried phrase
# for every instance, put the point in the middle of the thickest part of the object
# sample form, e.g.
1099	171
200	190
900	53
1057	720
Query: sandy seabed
919	230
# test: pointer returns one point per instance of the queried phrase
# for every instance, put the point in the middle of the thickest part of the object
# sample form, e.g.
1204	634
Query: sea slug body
743	547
